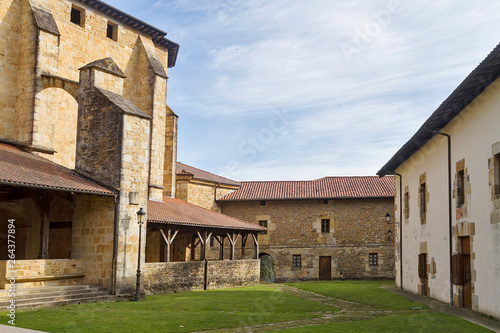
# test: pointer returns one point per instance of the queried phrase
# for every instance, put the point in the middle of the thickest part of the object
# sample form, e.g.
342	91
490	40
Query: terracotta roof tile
177	211
323	188
184	169
21	168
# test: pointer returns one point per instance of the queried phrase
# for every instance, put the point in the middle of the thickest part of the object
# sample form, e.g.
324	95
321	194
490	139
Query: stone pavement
13	329
445	308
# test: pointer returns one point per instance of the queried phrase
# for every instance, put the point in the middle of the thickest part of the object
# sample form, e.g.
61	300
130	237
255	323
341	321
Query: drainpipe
115	246
400	227
450	218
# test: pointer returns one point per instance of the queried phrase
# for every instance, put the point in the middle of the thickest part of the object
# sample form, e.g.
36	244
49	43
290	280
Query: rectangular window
373	259
263	223
406	206
325	225
325	201
296	260
497	174
460	188
112	31
421	198
77	15
262	203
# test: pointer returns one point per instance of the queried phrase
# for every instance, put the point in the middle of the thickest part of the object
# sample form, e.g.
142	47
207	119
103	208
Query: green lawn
182	312
237	307
364	292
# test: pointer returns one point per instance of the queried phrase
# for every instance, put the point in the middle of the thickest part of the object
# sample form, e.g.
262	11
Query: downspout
115	246
450	218
400	227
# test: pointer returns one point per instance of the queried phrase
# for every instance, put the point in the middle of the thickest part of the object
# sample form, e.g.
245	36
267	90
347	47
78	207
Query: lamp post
140	216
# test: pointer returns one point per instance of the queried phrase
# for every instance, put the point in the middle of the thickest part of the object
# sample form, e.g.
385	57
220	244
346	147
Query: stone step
50	298
40	292
24	291
36	305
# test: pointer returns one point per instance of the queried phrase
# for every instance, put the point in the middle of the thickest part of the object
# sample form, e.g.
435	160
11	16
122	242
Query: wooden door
422	273
467	290
325	268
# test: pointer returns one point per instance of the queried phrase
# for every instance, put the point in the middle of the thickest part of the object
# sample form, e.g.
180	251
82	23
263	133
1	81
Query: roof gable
184	169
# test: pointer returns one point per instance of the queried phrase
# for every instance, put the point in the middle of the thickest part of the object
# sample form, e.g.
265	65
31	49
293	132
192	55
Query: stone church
86	140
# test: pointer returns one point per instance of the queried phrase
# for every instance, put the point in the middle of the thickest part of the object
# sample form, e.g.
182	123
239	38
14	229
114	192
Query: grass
418	322
237	307
363	292
183	312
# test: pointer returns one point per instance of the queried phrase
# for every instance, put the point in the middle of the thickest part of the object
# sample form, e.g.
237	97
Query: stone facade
97	104
179	276
357	228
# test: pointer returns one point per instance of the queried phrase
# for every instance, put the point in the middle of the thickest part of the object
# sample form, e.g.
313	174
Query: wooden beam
45	225
232	239
169	238
256	243
243	243
221	250
15	195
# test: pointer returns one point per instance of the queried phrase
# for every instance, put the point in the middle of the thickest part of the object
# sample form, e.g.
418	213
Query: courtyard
340	306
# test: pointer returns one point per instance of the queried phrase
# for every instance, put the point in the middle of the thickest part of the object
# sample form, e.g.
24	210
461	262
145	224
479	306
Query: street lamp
140	217
389	234
387	217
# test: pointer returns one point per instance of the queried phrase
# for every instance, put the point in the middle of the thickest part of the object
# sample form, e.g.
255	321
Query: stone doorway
266	267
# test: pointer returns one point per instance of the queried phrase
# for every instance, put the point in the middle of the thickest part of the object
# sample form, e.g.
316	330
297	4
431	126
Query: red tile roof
179	212
24	169
323	188
184	169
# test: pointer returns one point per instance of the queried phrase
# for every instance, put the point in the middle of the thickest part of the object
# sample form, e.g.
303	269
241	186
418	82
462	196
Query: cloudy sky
302	89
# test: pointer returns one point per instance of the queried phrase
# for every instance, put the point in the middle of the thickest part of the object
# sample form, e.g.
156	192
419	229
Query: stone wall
202	193
180	276
39	269
93	225
357	228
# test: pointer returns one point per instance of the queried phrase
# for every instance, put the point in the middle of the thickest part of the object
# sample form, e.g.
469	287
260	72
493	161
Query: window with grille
296	260
406	205
422	198
325	225
263	223
373	259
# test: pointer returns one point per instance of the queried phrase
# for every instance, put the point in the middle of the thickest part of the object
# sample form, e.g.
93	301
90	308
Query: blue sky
290	90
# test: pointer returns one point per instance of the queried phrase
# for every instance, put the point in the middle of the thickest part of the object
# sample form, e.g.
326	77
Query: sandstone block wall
180	276
357	228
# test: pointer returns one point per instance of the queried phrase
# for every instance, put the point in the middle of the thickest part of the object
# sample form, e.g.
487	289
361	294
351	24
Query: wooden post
203	240
43	205
221	253
232	239
256	243
243	243
169	238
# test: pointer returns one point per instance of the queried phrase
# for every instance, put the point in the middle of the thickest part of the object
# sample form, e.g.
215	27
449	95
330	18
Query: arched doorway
266	267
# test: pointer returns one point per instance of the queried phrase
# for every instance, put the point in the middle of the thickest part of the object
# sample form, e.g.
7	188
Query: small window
262	203
325	201
325	225
77	16
263	223
112	31
460	189
421	196
406	205
373	259
296	260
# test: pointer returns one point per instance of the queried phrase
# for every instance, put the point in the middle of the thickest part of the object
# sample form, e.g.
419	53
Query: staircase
54	296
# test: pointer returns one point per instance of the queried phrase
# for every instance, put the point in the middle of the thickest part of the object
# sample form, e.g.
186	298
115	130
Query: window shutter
422	266
457	267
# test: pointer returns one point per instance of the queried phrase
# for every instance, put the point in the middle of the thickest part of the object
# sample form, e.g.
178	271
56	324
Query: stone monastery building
86	140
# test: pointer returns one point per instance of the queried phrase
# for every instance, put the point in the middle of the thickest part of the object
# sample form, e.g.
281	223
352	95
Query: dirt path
342	311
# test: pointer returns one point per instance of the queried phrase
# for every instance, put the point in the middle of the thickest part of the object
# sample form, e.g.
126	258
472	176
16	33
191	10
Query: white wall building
448	197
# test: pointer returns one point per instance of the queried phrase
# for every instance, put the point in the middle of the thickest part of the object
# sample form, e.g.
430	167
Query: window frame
325	226
114	32
372	259
263	223
81	16
460	188
296	260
